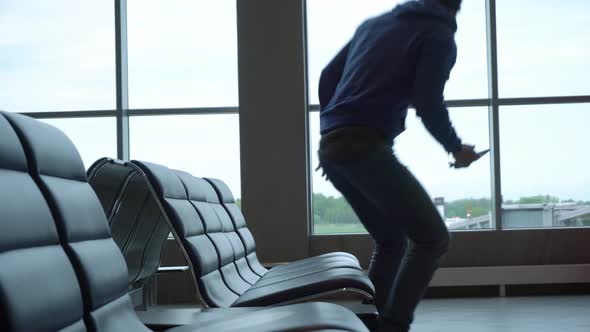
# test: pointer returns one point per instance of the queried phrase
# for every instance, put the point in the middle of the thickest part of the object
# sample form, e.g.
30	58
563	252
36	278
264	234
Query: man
401	58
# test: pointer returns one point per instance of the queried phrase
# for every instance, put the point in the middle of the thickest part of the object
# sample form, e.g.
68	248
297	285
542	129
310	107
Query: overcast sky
59	55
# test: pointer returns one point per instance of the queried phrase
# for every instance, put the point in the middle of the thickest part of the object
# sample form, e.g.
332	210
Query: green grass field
322	229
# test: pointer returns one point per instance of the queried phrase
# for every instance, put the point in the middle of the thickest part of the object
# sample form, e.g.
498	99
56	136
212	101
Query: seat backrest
108	181
57	168
210	244
227	200
135	220
221	231
39	290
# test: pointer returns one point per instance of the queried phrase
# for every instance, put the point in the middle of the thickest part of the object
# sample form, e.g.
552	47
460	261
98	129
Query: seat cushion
298	317
270	291
314	264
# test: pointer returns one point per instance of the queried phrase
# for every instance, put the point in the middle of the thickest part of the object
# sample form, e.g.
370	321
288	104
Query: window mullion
122	80
494	108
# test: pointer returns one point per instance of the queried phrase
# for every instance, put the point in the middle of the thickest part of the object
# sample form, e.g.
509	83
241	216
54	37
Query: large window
57	55
463	197
542	178
181	71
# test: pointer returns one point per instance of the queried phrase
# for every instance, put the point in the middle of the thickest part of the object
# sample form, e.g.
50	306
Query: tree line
335	210
331	210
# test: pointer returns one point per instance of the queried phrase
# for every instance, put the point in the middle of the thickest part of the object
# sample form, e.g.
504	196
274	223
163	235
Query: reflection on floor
495	314
511	314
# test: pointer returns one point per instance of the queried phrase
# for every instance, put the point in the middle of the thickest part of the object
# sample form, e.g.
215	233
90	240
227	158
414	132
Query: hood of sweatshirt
427	8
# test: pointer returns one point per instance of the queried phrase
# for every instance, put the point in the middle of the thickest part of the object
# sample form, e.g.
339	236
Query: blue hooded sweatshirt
400	58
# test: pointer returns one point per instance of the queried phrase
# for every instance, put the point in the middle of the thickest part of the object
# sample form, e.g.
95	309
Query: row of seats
62	270
218	245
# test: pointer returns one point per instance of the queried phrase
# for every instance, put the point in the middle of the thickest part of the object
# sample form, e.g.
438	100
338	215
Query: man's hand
465	157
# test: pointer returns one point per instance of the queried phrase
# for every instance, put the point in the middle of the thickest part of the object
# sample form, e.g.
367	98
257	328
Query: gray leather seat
222	255
122	193
61	270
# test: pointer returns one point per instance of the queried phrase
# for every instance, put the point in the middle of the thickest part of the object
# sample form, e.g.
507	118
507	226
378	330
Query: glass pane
545	178
462	196
469	78
182	53
203	145
94	137
543	47
331	24
57	55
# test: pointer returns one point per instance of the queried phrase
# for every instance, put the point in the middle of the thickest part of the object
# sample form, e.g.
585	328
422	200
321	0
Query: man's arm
437	58
331	75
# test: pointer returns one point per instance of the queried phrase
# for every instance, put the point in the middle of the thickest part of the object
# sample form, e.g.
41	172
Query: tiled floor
511	314
522	314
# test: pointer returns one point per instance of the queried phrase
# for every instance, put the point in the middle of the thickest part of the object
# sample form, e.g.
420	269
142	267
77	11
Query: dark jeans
409	233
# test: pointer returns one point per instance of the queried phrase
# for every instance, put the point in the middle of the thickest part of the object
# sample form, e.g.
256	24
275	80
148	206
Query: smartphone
482	153
479	155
